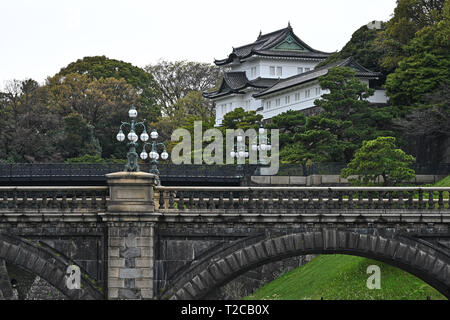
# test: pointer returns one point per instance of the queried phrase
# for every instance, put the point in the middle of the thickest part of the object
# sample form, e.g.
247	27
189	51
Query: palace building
276	73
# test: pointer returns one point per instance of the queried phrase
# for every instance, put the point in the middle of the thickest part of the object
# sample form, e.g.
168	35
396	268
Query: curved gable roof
235	82
266	45
293	81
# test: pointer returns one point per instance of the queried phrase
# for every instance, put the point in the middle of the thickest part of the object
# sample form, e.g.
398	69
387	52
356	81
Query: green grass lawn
442	183
344	277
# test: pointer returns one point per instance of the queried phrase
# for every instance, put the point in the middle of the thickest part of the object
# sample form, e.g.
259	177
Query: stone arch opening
41	262
416	258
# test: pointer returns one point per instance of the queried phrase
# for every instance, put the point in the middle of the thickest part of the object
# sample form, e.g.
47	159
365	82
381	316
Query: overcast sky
38	38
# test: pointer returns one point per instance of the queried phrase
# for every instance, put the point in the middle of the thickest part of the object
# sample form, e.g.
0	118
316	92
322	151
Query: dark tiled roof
235	82
263	45
316	73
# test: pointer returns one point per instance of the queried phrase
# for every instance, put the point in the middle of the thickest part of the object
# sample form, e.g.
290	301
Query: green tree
87	158
102	103
302	141
363	47
347	113
143	83
380	157
241	119
28	131
426	68
176	79
194	104
79	138
409	17
289	124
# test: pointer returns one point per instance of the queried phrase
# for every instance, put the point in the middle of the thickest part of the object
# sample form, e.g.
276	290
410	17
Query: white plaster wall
289	67
379	97
230	103
302	103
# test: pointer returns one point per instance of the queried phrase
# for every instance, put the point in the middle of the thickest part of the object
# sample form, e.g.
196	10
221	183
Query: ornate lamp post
261	143
240	153
153	154
132	156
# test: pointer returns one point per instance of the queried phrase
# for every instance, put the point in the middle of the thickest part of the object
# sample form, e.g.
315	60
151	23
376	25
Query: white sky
38	38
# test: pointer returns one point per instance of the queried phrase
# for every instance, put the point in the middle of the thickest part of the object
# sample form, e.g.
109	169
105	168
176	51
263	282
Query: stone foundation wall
130	256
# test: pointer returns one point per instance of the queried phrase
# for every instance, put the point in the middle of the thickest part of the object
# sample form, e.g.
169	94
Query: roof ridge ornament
289	24
260	34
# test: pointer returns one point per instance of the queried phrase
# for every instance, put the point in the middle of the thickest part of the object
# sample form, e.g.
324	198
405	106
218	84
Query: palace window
299	70
318	91
277	102
279	71
297	96
287	99
307	69
253	71
268	103
307	93
272	71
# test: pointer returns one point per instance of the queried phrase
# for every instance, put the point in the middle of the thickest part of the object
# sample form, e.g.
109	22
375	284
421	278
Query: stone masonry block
130	273
297	181
147	293
146	272
144	263
260	179
279	180
146	252
115	283
116	242
144	241
113	293
144	283
113	252
116	262
147	231
113	272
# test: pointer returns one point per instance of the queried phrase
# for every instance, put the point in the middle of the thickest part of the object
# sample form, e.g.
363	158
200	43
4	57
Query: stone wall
326	180
130	258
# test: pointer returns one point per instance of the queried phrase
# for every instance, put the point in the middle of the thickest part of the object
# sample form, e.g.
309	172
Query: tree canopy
177	79
144	84
380	157
362	47
409	17
426	67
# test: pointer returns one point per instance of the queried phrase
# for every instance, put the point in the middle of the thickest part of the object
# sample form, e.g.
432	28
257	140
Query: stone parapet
131	192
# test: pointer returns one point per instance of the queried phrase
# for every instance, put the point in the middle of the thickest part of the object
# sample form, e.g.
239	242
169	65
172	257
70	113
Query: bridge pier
131	222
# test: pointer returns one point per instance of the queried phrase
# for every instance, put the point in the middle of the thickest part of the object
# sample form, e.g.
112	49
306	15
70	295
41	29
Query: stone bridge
136	240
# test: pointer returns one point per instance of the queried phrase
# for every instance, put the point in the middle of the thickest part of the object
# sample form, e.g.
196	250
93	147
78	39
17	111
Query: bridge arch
408	254
42	262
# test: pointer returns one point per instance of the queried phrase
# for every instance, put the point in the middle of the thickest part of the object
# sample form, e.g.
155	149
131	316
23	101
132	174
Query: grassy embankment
344	277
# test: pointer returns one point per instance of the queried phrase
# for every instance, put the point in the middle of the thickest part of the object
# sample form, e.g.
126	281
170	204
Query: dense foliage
362	47
380	157
143	83
76	113
333	135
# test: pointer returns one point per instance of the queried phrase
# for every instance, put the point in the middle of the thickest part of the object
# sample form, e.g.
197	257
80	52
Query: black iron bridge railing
96	172
171	172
